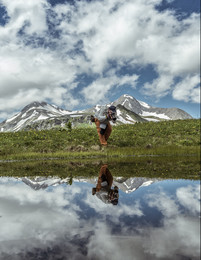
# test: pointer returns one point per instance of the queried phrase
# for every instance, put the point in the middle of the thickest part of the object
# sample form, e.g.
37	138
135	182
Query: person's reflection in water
103	189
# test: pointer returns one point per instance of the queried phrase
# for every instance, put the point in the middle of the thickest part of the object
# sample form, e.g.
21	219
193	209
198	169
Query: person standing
102	121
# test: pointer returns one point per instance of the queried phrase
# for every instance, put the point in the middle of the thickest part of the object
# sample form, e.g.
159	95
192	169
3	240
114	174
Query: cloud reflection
179	234
68	222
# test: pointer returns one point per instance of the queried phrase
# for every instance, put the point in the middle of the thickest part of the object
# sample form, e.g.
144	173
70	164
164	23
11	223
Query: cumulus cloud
188	89
69	220
99	88
178	234
27	214
45	48
189	197
37	74
160	87
22	14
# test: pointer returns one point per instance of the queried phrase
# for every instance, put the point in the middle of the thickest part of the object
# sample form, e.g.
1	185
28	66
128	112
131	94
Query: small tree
70	181
69	126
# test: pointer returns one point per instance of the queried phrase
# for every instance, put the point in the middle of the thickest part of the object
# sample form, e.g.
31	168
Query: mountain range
127	185
41	115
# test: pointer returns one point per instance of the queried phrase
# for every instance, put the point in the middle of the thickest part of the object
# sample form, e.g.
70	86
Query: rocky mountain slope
126	185
148	112
41	115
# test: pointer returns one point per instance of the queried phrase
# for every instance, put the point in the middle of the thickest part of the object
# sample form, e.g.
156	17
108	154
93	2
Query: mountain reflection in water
47	218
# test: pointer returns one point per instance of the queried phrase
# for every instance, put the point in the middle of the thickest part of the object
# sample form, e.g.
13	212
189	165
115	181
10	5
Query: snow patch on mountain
151	119
41	117
12	118
75	115
124	120
20	124
147	183
144	104
97	107
129	118
128	96
162	116
127	101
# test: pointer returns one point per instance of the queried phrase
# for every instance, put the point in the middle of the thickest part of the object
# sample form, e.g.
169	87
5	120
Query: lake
102	216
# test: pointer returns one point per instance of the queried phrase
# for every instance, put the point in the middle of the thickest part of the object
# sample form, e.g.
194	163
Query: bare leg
108	131
101	137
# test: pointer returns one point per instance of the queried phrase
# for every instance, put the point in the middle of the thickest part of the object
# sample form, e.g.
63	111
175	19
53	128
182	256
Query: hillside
166	137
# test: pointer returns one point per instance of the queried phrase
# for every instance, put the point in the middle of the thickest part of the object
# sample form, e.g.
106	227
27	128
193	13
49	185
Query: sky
77	54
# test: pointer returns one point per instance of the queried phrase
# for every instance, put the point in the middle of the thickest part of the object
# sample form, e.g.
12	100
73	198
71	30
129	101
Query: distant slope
41	115
126	116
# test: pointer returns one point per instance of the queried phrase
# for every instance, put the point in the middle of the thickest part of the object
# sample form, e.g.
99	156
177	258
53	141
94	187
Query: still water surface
53	218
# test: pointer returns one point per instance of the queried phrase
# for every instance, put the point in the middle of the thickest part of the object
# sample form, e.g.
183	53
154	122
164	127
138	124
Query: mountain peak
41	115
127	96
34	104
37	103
129	102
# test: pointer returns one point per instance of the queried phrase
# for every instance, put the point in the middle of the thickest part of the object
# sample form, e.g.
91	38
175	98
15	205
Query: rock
95	147
80	148
148	146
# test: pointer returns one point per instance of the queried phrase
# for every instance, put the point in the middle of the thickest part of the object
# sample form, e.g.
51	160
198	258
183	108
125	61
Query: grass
177	137
165	167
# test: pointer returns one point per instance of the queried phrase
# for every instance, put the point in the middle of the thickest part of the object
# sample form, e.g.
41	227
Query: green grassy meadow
179	137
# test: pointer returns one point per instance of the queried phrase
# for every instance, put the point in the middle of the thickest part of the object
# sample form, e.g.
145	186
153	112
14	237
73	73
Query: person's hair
112	108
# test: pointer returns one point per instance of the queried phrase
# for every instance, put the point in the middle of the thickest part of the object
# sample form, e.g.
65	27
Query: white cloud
166	204
159	87
98	90
26	213
178	233
53	218
189	198
34	74
188	89
89	36
21	13
136	32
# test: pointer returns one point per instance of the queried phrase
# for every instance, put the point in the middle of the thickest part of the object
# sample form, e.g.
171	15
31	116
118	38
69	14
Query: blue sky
77	54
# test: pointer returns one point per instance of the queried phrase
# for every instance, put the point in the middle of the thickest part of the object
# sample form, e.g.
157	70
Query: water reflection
103	189
46	218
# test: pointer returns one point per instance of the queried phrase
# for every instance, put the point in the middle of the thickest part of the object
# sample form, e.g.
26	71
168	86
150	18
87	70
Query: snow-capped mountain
131	184
148	112
129	111
126	185
36	113
38	183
